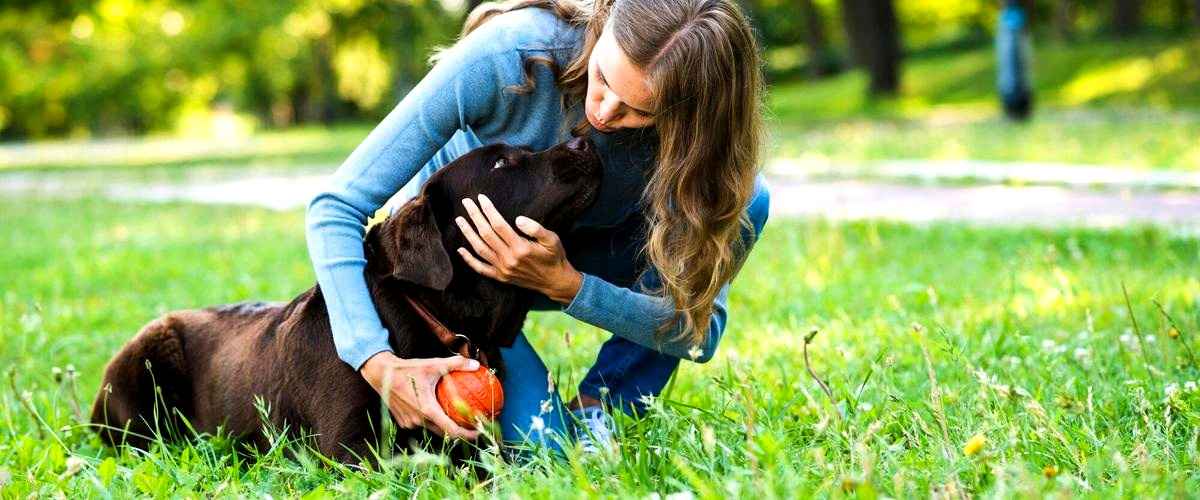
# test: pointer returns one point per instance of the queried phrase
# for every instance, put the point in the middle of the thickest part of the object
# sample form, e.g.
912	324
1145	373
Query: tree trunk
1064	19
874	38
820	60
320	94
1127	16
1180	11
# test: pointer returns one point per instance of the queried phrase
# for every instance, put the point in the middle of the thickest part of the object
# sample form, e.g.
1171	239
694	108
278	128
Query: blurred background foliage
87	68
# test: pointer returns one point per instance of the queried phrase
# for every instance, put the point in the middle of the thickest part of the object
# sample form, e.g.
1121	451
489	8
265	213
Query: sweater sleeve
635	315
463	89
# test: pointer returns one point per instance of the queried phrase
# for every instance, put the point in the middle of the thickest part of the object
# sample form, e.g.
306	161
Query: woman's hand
539	264
408	388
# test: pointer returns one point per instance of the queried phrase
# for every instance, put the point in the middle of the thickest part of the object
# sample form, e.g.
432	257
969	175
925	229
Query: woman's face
618	95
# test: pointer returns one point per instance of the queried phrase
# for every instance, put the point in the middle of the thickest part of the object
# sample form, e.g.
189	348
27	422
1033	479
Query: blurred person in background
1013	54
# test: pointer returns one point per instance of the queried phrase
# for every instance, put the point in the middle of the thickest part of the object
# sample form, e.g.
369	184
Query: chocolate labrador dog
210	365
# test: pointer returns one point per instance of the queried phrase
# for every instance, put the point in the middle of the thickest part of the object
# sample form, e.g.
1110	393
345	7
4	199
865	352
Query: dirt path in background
987	204
288	188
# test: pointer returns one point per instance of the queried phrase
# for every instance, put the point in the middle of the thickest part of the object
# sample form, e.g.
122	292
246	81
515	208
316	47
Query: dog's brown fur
209	365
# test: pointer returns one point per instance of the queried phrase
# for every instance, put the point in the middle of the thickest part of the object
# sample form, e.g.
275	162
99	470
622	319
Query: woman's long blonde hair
703	64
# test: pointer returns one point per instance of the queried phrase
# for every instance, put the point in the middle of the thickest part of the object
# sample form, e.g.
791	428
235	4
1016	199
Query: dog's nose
579	144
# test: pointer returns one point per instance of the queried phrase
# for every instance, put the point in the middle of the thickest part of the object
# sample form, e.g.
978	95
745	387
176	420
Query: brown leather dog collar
455	342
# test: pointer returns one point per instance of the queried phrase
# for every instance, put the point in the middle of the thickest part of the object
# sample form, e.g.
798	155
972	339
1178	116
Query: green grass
1024	339
1134	103
1123	138
299	146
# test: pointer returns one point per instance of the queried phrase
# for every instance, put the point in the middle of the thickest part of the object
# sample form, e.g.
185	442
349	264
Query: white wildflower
74	465
681	495
1082	354
537	424
695	352
545	407
1190	386
1171	390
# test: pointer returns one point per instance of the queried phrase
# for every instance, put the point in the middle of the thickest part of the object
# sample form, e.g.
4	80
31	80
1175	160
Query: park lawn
1016	341
1131	103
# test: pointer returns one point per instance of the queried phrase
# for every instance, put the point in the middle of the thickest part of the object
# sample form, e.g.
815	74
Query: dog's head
552	187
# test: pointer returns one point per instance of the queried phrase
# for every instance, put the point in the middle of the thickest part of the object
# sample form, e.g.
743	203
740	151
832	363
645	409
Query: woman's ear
412	244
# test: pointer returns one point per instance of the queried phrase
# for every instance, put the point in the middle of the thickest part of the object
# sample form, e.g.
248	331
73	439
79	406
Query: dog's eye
500	163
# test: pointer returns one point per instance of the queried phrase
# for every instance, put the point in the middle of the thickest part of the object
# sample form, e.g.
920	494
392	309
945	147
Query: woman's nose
608	107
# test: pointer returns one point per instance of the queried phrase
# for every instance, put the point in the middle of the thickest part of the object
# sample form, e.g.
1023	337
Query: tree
874	38
821	61
1063	19
1127	16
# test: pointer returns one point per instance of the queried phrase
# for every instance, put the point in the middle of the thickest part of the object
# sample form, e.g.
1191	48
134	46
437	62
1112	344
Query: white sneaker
594	429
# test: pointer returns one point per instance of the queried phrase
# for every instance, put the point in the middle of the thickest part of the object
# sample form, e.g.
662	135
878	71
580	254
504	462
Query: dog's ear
413	246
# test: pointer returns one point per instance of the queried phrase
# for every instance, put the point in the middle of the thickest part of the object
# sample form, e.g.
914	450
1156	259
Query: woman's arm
635	315
463	89
537	261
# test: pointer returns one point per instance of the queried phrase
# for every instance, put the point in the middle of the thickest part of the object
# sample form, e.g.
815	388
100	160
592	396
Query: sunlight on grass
1120	137
1123	76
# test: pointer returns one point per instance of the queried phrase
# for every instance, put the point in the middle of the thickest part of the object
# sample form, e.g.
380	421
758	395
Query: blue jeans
622	373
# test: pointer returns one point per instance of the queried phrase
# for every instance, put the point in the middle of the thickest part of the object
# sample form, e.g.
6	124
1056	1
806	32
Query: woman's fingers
498	224
483	227
434	413
408	388
429	424
452	363
479	266
478	245
533	229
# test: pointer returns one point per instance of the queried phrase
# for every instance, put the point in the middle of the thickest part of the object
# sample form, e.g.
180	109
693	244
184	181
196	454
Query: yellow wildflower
974	445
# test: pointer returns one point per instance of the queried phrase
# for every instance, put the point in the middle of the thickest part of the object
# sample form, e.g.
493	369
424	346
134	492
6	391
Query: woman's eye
499	163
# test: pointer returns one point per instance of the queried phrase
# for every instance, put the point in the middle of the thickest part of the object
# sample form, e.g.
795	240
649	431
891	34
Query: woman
673	89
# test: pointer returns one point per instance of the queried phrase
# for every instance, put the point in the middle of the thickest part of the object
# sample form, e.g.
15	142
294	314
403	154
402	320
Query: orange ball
466	396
